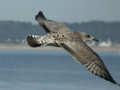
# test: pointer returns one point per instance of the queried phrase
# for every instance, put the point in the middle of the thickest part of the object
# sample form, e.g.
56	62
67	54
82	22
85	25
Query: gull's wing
49	25
86	56
77	49
53	26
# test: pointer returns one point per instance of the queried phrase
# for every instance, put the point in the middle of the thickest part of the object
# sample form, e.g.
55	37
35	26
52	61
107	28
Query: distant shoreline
26	47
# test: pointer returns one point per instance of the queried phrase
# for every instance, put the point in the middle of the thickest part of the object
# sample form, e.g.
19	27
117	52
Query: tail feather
40	15
39	41
32	41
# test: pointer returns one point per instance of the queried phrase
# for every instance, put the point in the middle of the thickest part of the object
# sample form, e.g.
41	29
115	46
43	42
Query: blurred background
24	68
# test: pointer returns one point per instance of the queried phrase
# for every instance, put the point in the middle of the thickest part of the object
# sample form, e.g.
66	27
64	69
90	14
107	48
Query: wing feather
49	25
86	56
77	49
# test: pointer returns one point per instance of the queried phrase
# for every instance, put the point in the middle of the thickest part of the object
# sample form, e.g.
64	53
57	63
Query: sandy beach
18	47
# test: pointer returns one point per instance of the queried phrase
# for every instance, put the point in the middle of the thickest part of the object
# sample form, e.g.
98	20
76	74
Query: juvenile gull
77	48
73	42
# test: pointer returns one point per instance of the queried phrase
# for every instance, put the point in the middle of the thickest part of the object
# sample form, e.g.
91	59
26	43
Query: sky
61	10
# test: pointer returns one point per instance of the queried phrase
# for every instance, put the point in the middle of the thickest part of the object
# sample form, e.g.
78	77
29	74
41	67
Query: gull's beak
96	40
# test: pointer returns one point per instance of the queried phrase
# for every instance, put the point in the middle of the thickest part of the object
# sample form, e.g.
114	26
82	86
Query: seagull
77	48
74	44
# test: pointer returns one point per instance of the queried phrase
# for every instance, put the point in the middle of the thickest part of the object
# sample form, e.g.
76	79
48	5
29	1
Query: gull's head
88	37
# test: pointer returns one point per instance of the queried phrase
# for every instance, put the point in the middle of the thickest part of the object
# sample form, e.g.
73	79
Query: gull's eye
88	36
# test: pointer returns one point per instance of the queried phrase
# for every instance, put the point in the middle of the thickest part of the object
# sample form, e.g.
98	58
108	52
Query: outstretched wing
77	49
49	25
86	56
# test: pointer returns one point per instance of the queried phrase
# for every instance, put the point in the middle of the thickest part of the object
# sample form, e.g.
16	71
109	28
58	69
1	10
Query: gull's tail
38	41
33	41
40	15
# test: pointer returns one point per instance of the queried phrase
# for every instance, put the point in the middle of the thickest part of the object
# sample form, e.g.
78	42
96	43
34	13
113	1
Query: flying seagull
59	35
53	26
72	42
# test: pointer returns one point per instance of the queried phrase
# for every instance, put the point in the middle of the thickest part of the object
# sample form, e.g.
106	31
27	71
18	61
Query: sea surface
53	70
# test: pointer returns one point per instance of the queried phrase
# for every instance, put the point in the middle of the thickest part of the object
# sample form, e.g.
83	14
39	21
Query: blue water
52	70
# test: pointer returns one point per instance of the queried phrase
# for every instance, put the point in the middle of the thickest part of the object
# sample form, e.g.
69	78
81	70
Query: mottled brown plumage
73	42
49	25
77	49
